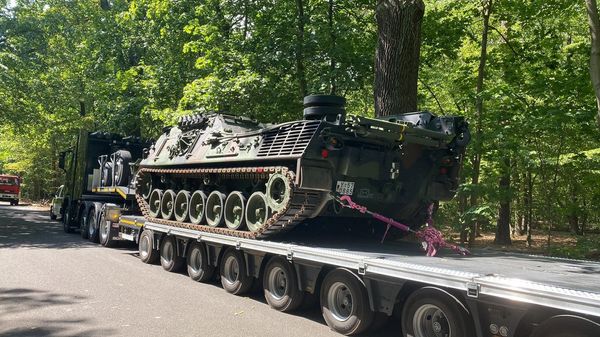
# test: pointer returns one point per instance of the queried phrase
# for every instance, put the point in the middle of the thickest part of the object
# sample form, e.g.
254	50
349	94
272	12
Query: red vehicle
10	189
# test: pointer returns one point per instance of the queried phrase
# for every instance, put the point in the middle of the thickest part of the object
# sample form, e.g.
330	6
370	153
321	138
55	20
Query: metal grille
290	139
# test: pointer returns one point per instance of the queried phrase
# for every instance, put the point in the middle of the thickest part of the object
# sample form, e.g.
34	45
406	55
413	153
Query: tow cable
432	239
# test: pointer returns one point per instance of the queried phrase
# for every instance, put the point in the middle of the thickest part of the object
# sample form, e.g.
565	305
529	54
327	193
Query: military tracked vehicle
232	175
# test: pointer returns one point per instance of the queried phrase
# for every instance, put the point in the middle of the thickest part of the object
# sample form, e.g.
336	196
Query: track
301	205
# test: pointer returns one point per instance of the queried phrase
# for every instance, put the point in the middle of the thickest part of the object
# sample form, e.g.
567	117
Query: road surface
57	284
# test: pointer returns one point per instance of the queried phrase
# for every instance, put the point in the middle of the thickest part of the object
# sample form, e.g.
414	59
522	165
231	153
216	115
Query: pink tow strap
433	239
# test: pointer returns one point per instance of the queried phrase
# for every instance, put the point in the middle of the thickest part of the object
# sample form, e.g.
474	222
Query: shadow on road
16	301
22	228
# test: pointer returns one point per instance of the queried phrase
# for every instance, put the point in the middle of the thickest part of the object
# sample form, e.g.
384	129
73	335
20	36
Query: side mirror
61	160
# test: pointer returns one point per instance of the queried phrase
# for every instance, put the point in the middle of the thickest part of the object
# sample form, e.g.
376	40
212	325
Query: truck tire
92	223
169	259
345	303
83	230
105	231
234	276
431	309
280	285
567	326
198	267
146	249
66	219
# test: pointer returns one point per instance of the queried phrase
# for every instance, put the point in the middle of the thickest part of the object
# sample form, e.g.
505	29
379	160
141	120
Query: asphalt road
57	284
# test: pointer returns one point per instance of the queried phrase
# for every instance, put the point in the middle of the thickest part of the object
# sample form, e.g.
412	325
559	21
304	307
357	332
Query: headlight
113	214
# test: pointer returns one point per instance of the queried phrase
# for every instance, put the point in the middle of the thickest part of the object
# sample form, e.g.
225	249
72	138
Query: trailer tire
345	303
92	223
568	326
169	259
198	267
234	276
146	249
432	310
280	285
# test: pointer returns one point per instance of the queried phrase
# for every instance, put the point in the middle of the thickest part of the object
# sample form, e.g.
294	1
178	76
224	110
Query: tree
594	22
397	56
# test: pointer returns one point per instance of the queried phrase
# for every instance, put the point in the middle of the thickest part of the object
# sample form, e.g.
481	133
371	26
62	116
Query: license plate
344	187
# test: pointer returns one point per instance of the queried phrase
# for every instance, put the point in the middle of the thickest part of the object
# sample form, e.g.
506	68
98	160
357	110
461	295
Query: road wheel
52	215
92	224
344	302
280	285
145	247
106	231
434	312
198	267
234	277
169	259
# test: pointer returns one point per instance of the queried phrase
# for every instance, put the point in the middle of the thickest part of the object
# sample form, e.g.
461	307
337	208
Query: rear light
324	153
443	170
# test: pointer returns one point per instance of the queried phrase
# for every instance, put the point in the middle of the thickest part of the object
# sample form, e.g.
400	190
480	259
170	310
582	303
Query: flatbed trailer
360	283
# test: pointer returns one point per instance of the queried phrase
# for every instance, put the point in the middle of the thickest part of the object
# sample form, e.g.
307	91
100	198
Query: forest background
131	67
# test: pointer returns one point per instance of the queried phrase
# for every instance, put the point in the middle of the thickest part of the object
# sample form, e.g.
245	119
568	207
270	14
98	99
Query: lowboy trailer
361	284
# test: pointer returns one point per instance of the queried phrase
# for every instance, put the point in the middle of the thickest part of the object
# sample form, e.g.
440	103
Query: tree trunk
300	70
503	226
332	64
529	206
594	22
487	9
397	56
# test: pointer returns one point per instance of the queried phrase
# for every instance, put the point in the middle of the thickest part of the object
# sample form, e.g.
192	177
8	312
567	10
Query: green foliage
139	64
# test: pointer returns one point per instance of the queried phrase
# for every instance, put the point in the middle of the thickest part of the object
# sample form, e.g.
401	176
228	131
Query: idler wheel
145	185
154	202
182	205
214	208
167	204
197	207
234	210
279	192
257	211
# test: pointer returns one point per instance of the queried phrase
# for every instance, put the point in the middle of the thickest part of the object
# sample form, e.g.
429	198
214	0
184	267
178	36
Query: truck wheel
147	253
344	302
106	231
198	267
92	224
434	312
83	225
234	278
280	285
567	326
15	203
66	220
169	259
52	215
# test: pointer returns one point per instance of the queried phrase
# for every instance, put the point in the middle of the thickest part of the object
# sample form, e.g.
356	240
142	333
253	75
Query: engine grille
291	139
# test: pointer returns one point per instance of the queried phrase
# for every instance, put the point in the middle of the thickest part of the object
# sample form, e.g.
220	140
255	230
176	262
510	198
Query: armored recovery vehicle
231	175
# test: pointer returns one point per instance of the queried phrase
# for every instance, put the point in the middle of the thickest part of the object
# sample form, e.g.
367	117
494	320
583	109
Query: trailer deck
572	285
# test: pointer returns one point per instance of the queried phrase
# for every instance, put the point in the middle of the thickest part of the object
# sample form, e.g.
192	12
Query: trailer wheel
568	326
145	247
169	259
344	302
197	263
432	312
280	285
234	278
92	224
105	231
